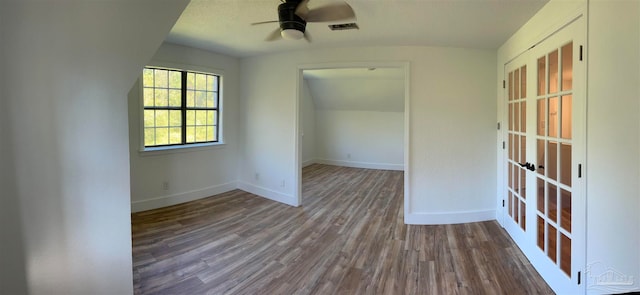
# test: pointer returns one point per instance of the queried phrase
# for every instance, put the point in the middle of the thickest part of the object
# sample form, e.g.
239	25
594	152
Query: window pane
147	78
191	80
523	116
162	97
201	133
149	136
191	99
161	78
510	90
149	118
211	117
552	202
201	118
541	158
162	136
565	254
565	210
175	135
201	82
211	100
540	188
175	80
201	99
191	134
516	84
175	98
553	71
212	83
552	160
552	237
523	82
175	118
191	118
162	118
516	116
567	66
211	133
541	232
148	100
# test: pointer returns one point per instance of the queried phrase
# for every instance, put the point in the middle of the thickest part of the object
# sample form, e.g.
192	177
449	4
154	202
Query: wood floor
347	238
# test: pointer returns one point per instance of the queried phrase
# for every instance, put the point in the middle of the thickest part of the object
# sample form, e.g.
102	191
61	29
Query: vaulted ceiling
223	26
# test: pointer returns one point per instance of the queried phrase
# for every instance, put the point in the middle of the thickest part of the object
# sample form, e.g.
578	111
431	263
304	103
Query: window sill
165	150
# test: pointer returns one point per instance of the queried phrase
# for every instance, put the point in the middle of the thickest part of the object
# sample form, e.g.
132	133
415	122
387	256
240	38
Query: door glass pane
510	203
565	210
542	111
565	254
516	148
553	72
516	116
552	202
541	232
510	107
523	216
523	82
510	90
567	66
523	183
553	117
523	116
540	189
510	176
552	236
542	70
516	84
523	149
516	213
566	117
565	164
552	160
541	157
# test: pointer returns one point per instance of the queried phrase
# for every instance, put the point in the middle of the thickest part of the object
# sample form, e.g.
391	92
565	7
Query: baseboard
175	199
308	163
269	194
366	165
450	217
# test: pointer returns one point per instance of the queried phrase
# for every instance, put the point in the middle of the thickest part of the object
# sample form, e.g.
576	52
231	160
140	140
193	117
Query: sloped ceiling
361	89
223	26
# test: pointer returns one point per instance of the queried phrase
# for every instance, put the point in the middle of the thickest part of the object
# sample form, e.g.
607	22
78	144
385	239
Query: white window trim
152	151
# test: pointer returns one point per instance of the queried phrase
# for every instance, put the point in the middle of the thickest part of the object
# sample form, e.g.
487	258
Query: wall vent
348	26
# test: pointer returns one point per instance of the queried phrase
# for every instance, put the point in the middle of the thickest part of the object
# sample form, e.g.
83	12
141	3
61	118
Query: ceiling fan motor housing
288	18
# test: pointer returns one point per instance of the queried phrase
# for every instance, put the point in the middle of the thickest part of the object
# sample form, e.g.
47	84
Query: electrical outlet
165	185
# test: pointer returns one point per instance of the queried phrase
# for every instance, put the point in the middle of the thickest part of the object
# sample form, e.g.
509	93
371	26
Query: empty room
320	147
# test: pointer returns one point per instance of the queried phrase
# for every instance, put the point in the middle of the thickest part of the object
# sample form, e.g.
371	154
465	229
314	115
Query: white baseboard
175	199
450	217
308	163
366	165
269	194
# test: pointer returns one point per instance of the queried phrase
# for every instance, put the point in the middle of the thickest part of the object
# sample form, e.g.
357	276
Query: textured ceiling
223	26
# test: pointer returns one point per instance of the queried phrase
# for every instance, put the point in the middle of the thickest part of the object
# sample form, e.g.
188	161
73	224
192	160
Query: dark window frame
184	109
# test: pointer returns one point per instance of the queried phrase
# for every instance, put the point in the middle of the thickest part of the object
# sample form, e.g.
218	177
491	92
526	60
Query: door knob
528	166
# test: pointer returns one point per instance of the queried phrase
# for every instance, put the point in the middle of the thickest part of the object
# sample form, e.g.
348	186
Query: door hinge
498	125
502	203
579	170
580	52
503	145
504	84
579	277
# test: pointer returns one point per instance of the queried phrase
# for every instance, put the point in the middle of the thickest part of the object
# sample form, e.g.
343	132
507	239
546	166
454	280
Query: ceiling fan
293	16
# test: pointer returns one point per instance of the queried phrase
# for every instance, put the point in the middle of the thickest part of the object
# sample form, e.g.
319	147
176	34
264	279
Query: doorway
342	112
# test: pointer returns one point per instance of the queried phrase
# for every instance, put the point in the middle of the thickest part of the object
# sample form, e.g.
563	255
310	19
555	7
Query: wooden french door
544	210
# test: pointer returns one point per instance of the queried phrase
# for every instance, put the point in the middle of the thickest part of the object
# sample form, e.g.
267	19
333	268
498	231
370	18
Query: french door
544	206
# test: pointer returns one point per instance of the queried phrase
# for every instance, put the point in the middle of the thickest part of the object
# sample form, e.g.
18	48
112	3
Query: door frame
298	120
580	129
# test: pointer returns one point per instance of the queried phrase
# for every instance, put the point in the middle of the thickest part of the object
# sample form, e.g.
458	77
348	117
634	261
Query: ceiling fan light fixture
292	34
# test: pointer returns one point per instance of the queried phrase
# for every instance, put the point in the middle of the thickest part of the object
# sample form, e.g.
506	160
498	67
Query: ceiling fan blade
330	13
302	10
273	36
307	36
267	22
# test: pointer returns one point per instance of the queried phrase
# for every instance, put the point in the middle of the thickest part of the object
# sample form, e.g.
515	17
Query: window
180	107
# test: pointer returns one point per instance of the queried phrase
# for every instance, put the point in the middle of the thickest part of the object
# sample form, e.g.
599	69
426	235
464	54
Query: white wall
613	141
613	130
67	71
308	119
452	128
365	139
195	172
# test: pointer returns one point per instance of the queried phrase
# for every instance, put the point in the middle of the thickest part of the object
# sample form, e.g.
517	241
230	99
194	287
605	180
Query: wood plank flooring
347	238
